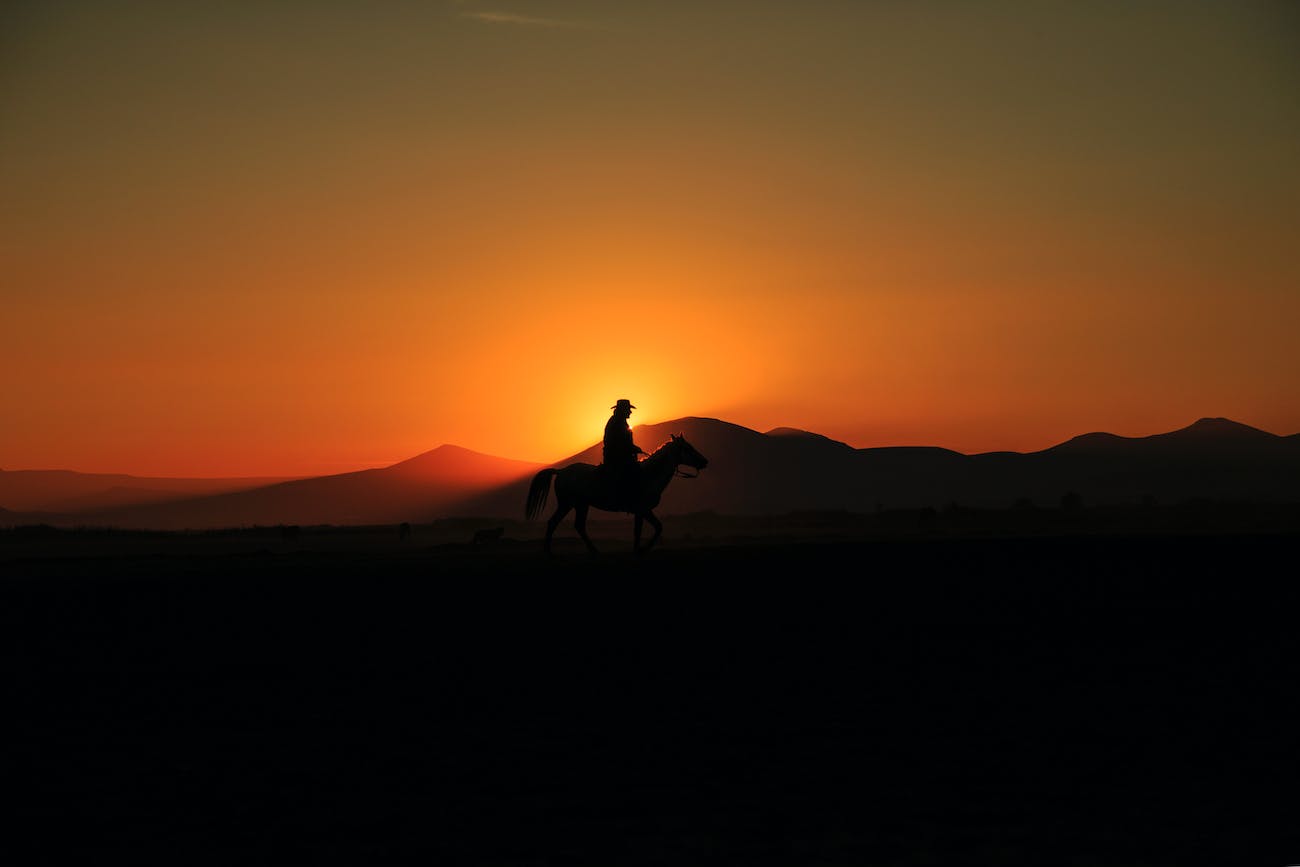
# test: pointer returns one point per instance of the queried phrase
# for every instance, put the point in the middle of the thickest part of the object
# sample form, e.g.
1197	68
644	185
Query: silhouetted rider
620	455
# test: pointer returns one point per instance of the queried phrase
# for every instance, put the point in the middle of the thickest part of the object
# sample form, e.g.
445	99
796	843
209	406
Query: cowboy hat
623	401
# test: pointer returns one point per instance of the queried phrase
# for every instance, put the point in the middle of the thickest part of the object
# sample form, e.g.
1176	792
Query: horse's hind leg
561	509
580	522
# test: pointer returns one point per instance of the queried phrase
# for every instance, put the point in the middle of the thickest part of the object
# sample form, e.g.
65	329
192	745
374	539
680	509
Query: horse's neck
660	466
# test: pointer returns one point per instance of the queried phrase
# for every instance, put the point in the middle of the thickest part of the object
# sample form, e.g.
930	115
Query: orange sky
299	238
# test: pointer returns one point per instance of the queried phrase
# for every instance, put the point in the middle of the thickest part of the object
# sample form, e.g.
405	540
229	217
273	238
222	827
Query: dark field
821	693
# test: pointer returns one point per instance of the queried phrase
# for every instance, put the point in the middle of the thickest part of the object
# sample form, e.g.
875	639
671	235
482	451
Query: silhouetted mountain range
420	489
750	473
68	491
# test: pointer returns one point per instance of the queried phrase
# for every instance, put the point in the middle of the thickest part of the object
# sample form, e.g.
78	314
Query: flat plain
817	690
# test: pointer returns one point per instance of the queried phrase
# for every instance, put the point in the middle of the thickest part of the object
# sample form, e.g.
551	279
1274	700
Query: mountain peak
1208	430
460	461
1091	442
692	427
799	433
1219	428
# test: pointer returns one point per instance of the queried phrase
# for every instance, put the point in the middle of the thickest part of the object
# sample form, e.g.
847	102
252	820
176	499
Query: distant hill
415	490
65	490
786	469
751	473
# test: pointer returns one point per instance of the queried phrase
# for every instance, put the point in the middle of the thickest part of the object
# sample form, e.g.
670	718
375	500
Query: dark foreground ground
1049	700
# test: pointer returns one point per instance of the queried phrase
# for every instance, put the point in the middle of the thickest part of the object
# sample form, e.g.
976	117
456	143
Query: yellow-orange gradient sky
309	237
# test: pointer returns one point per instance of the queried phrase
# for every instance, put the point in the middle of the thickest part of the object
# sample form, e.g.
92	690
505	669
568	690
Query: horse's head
688	454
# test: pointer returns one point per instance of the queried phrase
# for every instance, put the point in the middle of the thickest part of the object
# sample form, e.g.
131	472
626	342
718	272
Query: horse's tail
537	492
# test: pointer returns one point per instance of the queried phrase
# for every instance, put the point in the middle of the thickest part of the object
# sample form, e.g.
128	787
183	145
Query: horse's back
575	480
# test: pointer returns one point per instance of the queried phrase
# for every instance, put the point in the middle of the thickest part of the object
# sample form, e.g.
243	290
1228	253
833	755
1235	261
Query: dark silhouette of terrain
902	656
905	701
418	489
775	473
787	470
56	491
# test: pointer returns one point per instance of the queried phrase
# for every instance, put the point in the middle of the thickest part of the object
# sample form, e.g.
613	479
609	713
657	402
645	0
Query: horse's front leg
658	528
580	522
636	531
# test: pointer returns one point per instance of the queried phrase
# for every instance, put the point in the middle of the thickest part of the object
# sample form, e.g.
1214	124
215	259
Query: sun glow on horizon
264	256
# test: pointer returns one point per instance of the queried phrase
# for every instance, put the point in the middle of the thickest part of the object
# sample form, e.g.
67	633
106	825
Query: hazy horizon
594	443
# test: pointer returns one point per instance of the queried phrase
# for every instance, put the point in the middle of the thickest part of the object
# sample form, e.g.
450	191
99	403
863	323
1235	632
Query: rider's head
624	407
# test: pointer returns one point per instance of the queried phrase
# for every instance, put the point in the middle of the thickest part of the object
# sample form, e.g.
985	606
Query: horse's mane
662	447
658	449
665	444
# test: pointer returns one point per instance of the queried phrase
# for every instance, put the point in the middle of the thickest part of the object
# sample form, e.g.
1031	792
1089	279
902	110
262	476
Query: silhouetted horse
582	486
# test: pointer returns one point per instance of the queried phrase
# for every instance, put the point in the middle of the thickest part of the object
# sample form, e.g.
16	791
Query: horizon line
280	477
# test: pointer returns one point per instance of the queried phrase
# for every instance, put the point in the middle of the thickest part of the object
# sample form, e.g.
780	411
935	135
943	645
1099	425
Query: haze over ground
1215	461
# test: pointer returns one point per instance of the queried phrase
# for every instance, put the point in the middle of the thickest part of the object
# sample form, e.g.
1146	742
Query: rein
677	467
677	471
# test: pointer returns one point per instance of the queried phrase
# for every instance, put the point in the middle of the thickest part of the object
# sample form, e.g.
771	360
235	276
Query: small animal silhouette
404	530
488	535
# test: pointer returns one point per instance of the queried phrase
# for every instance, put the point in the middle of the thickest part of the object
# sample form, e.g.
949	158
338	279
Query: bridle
677	471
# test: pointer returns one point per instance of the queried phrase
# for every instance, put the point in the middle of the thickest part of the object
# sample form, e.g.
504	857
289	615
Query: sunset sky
289	238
